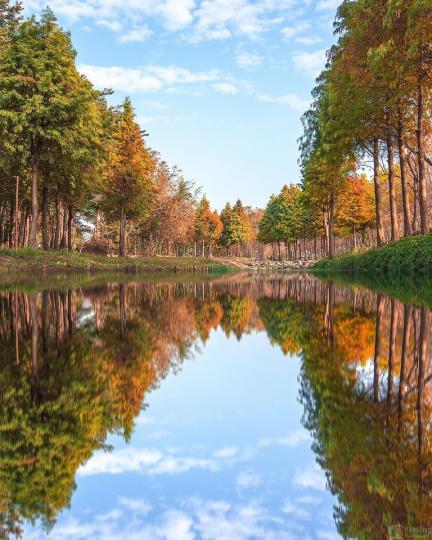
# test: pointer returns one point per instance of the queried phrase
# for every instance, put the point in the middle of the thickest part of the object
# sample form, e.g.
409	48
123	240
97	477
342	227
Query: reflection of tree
369	432
77	365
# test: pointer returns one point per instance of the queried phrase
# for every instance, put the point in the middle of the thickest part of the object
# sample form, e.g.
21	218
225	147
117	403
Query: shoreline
409	257
25	261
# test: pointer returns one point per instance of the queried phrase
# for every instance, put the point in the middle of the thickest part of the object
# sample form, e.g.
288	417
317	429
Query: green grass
24	263
409	257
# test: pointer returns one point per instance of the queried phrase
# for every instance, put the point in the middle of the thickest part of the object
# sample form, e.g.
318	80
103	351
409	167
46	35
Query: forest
76	172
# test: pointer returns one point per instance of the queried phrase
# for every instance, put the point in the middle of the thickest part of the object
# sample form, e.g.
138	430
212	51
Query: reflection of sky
219	453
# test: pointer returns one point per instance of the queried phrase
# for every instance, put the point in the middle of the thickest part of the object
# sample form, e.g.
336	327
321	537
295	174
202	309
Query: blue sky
219	84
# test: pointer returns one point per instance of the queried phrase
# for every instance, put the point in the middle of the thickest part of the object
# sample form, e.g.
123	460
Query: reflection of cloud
120	461
295	510
312	477
292	440
143	460
197	519
136	505
248	479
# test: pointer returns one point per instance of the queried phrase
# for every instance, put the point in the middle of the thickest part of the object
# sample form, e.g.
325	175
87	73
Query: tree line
371	108
77	173
74	167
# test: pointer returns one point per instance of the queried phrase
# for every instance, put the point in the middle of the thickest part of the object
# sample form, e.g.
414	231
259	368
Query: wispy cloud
144	461
195	519
291	440
226	88
147	79
197	20
226	452
247	60
293	101
310	63
248	479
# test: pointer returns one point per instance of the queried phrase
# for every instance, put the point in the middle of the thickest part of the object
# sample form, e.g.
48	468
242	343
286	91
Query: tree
236	228
38	103
208	226
129	172
356	209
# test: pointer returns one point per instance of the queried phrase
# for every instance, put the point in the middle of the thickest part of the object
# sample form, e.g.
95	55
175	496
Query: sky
220	85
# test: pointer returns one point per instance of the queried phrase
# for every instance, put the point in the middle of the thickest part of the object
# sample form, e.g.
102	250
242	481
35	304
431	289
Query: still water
245	407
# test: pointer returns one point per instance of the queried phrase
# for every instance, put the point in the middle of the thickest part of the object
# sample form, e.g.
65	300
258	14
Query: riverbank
32	261
35	261
407	258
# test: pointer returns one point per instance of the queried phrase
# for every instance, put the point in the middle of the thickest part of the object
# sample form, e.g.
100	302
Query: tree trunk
403	174
392	351
421	156
63	243
122	232
404	354
377	352
70	228
45	237
392	192
422	359
57	233
34	197
97	226
331	246
378	200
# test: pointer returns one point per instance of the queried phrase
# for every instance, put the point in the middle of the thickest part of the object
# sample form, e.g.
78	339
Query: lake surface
235	408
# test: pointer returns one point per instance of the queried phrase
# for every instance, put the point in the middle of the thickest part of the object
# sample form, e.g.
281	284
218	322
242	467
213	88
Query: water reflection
78	364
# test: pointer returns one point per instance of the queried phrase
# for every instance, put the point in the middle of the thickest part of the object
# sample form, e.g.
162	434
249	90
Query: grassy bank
407	258
36	262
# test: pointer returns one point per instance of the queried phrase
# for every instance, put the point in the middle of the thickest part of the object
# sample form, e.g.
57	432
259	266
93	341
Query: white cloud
290	32
312	477
144	461
195	519
148	78
247	61
308	40
177	13
138	34
310	63
327	535
121	461
136	505
114	26
327	4
293	101
292	440
248	479
226	88
197	19
226	453
295	510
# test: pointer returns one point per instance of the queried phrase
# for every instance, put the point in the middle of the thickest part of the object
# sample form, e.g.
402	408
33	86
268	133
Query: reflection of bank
77	365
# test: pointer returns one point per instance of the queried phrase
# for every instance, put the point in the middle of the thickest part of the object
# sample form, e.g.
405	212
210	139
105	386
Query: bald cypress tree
129	176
